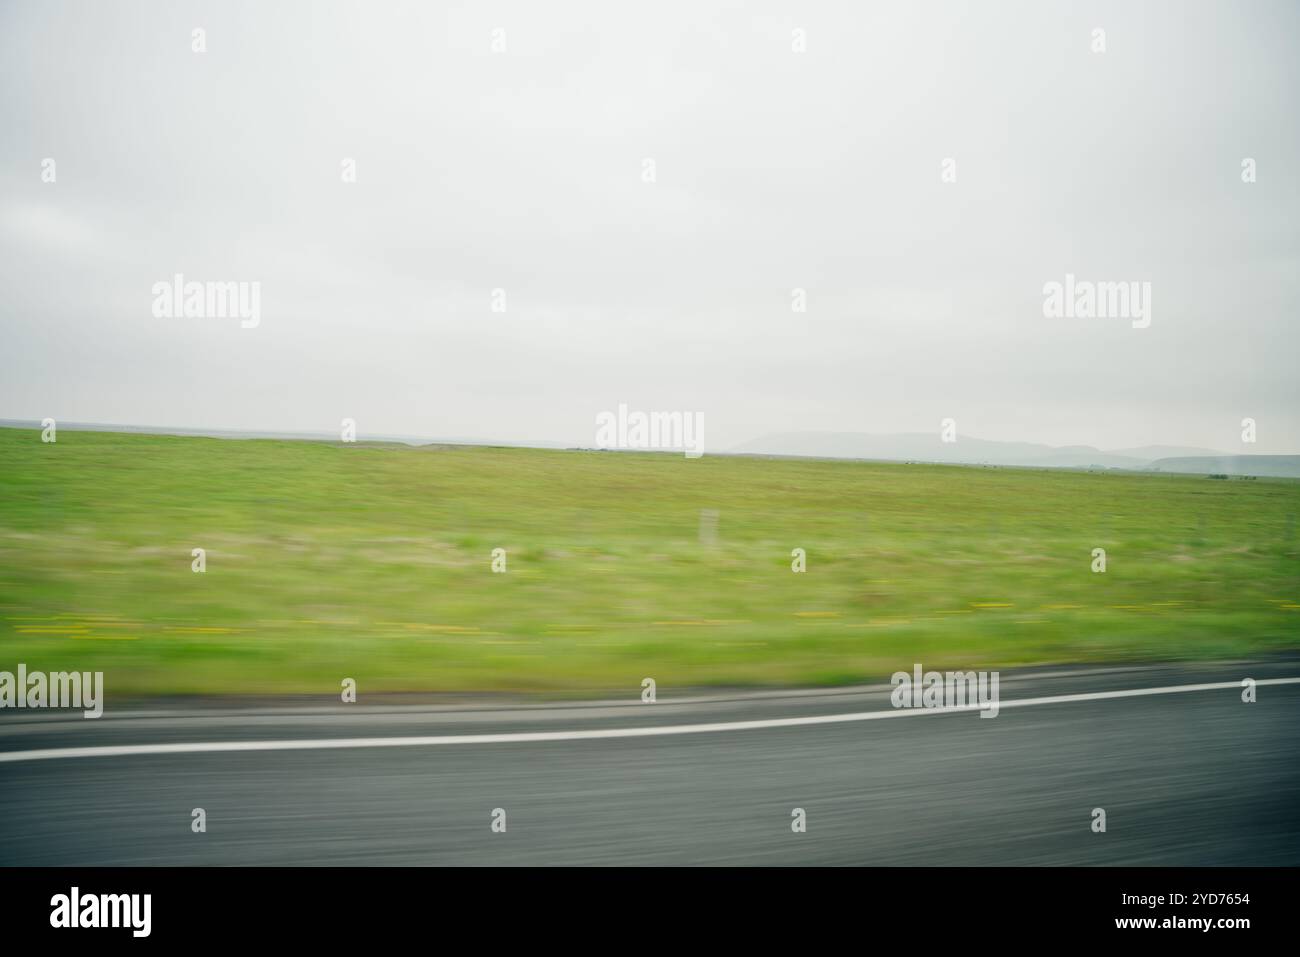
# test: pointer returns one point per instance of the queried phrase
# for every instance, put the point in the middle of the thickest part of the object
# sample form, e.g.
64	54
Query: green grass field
374	562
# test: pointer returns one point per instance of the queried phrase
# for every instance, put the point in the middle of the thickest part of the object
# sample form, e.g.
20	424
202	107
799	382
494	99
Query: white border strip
526	737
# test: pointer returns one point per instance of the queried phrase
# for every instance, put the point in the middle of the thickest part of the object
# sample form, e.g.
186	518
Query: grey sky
775	170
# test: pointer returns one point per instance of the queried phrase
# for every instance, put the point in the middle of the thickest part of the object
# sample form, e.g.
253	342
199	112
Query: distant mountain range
1270	466
928	447
901	447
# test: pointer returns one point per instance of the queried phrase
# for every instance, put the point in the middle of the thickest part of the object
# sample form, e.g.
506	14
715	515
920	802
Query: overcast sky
774	170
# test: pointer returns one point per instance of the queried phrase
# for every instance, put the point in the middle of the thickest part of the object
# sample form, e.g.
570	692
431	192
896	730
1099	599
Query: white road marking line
129	750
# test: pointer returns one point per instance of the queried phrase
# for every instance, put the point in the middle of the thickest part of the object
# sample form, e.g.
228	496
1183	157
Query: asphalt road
1194	778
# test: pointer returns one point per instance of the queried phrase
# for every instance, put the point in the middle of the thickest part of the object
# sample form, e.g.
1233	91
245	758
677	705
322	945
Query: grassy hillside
330	561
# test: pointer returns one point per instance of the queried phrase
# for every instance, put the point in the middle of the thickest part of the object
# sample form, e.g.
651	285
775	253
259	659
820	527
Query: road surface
1185	778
